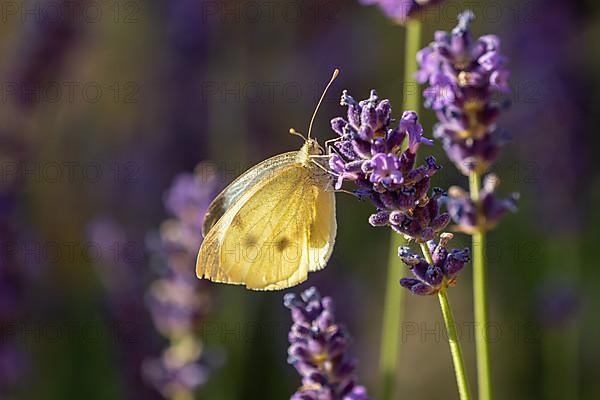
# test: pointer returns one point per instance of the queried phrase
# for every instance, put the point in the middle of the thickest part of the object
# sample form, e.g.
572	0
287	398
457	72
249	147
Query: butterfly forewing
232	193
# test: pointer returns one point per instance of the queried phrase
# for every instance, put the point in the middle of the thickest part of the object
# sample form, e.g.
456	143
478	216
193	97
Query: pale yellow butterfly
275	223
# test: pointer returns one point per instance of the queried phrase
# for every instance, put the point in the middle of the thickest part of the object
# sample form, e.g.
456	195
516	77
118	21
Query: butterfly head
310	148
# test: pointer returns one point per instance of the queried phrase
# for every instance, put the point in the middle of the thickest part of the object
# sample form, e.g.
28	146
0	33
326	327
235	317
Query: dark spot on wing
250	240
282	244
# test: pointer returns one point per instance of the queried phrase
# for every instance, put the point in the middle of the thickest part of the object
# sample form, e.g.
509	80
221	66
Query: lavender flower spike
370	154
178	302
430	279
401	10
463	77
318	350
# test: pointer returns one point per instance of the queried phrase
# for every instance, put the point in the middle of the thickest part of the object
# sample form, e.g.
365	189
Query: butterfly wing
232	193
323	230
273	235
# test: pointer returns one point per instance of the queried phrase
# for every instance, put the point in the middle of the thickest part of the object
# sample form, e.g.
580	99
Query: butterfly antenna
296	133
312	120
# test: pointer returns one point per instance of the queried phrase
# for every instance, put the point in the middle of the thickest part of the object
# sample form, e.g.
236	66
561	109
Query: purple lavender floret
464	76
401	10
369	153
430	279
319	350
385	170
464	211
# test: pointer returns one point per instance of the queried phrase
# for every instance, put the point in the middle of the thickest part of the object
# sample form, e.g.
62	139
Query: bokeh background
106	103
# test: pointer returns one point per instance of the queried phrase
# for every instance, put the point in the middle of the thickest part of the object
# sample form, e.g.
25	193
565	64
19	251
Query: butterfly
275	223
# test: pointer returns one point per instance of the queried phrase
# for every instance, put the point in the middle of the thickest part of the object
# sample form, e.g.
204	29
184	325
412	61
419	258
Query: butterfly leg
327	142
327	156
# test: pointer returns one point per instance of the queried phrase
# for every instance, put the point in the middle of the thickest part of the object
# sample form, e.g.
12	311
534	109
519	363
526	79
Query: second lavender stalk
463	76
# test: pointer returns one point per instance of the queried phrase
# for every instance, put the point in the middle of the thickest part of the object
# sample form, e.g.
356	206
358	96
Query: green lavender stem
394	295
455	349
480	298
412	95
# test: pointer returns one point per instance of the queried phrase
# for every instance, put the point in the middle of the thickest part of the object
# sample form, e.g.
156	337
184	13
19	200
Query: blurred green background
104	103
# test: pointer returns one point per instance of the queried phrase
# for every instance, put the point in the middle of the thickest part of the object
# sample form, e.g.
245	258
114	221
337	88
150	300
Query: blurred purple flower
177	372
177	300
430	279
116	270
177	305
189	38
14	362
369	154
13	367
463	76
38	59
188	199
401	10
119	269
557	304
44	54
557	91
319	350
464	211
